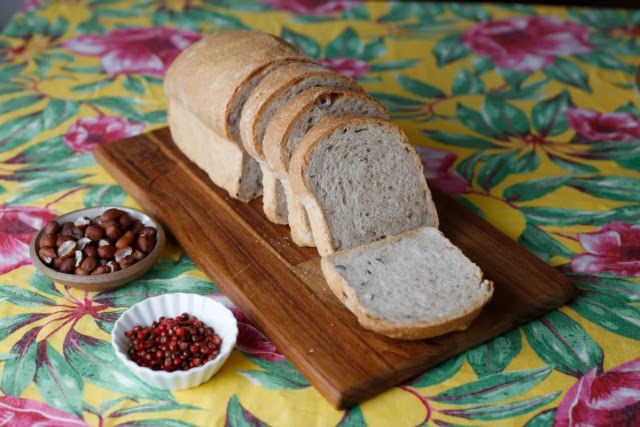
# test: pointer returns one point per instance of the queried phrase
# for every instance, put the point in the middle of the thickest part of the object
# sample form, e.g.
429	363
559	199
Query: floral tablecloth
526	114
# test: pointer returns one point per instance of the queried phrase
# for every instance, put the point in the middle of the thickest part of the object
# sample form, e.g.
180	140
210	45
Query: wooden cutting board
280	286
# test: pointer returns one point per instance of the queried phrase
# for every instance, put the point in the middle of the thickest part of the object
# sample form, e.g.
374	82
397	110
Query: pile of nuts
173	344
110	242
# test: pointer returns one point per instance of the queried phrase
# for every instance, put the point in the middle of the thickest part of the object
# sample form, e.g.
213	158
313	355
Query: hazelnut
67	249
148	231
68	265
47	240
61	239
56	263
90	251
137	254
79	256
123	252
77	233
113	266
136	226
103	269
94	232
125	241
113	232
125	221
82	222
82	243
103	242
89	264
46	254
111	214
106	252
81	272
127	261
52	227
66	228
145	243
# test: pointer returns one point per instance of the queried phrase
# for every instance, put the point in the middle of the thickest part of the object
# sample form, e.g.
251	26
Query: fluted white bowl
144	313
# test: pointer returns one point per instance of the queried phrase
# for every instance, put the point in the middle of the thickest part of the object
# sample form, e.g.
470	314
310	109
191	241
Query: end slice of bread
360	181
226	163
412	286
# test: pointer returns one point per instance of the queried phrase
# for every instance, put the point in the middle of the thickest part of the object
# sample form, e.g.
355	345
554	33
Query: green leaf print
19	130
156	116
574	167
96	361
500	412
122	106
494	356
535	188
307	44
392	65
419	88
9	325
474	121
599	18
396	103
57	112
43	284
459	140
605	60
561	342
50	151
346	45
542	419
513	78
158	406
496	168
276	375
614	287
101	195
437	374
156	422
19	371
567	72
494	388
359	12
610	313
352	417
374	49
467	83
504	118
450	49
548	117
470	11
564	216
238	416
57	381
24	297
18	103
542	244
619	188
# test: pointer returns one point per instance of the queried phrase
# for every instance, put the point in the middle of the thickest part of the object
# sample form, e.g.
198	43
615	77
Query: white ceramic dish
100	282
209	311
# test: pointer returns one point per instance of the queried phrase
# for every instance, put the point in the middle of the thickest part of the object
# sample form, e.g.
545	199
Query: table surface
526	114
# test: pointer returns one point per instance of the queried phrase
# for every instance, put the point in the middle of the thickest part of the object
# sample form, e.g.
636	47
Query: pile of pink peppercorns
173	344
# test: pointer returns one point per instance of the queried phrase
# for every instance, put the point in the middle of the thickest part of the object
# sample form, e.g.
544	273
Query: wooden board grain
280	287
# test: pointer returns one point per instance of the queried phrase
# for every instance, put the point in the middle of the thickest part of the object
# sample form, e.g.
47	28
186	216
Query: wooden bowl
101	282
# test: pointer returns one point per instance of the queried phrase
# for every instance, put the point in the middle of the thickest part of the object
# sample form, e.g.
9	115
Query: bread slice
412	286
264	101
287	128
360	181
227	164
211	80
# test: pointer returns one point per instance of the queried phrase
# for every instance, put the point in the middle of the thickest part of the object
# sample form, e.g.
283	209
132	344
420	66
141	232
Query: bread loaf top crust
208	76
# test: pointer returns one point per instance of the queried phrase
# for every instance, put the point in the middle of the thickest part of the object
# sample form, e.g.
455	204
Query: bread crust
216	72
272	87
301	159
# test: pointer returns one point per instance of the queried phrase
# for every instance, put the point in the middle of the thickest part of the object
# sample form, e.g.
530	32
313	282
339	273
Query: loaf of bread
412	286
291	123
211	81
263	103
360	181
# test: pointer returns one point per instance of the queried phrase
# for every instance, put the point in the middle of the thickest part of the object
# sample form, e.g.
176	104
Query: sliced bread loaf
413	286
264	101
290	124
360	181
211	80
